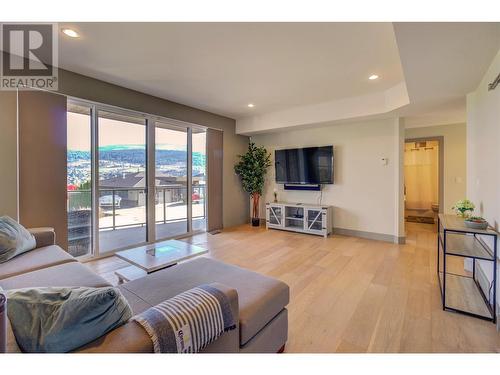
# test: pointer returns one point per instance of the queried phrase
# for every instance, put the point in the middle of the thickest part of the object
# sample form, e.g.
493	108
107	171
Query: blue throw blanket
189	321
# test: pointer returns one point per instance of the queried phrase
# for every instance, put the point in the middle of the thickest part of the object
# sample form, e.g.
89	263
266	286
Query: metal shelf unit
463	293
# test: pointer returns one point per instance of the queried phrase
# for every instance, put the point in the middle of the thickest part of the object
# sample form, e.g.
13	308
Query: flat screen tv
310	165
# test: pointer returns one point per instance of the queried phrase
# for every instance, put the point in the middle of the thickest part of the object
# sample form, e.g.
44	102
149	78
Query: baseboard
370	235
362	234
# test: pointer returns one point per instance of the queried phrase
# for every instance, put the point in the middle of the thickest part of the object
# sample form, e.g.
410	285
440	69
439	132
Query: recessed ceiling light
372	77
250	105
71	33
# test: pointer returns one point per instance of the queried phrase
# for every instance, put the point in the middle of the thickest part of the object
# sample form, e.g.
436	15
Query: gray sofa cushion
57	320
261	298
33	260
70	274
14	239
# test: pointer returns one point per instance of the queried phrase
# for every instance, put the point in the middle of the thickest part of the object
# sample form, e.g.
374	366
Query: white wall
483	149
366	194
454	179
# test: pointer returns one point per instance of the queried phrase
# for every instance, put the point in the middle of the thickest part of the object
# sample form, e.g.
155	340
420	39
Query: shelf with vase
464	293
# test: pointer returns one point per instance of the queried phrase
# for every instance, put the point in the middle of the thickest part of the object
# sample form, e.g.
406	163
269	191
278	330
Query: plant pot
476	225
255	222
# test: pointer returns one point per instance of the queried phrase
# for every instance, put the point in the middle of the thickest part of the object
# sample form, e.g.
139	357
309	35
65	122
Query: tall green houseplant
252	169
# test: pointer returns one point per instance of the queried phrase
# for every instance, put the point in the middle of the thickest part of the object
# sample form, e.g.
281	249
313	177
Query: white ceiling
442	62
221	67
292	69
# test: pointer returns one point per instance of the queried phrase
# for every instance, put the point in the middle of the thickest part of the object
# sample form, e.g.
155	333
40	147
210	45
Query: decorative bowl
476	224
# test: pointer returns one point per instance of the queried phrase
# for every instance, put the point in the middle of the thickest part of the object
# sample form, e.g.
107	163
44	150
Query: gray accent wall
8	154
42	162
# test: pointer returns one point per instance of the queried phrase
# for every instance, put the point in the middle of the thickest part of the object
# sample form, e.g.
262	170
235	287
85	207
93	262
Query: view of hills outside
122	150
122	164
115	160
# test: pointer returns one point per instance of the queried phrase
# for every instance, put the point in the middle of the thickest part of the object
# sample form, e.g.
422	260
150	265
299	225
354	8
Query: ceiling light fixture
373	77
251	105
71	33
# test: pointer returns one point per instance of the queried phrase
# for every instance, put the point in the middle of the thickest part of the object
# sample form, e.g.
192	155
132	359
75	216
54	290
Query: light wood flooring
350	294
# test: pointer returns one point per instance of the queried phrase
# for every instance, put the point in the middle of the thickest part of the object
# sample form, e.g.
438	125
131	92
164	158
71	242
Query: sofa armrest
132	338
232	295
43	236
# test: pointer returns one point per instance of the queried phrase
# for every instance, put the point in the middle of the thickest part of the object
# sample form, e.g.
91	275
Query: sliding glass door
171	205
122	181
79	178
199	179
109	177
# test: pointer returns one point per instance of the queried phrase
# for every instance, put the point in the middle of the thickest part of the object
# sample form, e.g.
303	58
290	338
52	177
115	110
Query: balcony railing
131	201
121	208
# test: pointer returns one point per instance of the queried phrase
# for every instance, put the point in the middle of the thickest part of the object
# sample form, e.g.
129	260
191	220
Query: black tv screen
310	165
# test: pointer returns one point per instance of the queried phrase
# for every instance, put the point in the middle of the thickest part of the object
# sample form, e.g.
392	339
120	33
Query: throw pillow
14	239
59	320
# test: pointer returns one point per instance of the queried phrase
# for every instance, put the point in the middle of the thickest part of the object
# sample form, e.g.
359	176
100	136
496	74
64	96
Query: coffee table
154	257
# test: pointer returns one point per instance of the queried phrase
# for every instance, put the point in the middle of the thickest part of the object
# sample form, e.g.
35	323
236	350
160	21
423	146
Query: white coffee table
154	257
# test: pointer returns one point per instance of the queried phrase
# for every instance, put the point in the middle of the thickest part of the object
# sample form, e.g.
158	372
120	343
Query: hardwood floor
350	294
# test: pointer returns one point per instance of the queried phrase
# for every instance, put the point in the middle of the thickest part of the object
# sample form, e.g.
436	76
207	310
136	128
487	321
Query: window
79	177
111	146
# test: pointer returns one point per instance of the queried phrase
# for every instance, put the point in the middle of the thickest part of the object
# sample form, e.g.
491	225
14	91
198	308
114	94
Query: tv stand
298	217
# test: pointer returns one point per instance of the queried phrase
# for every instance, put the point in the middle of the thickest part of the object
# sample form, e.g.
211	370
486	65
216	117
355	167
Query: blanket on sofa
189	321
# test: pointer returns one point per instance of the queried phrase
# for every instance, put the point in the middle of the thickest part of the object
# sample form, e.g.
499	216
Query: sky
112	132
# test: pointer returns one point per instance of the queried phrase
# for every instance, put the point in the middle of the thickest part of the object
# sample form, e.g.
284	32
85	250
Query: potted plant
464	207
476	222
252	169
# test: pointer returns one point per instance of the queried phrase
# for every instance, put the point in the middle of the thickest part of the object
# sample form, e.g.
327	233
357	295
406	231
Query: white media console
298	217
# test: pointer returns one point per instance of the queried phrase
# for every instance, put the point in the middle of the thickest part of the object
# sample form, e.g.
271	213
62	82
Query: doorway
423	179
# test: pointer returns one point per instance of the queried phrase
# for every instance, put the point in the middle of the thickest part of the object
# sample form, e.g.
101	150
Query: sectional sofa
259	302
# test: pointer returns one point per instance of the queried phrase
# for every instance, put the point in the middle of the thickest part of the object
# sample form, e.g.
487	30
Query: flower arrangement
464	207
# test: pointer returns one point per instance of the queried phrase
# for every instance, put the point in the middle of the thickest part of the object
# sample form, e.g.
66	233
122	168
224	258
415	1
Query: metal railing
120	198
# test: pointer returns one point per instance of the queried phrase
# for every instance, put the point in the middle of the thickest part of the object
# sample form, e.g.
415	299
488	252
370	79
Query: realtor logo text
29	57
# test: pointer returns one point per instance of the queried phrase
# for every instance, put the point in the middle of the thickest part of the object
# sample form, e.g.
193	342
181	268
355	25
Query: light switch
384	161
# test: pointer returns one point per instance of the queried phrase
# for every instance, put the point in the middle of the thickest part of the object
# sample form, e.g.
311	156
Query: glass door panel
199	182
122	196
171	201
79	166
314	219
275	215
